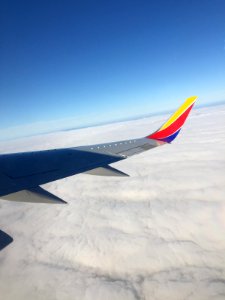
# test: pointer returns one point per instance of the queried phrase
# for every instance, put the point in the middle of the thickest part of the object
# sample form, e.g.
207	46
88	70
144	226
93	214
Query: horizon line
112	121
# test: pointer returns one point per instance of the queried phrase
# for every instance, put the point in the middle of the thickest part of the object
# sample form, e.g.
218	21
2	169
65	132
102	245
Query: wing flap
142	145
106	171
34	195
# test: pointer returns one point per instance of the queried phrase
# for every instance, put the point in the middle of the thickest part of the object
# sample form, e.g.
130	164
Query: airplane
22	174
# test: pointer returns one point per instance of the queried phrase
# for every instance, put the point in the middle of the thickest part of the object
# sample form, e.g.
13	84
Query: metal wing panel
34	195
107	171
124	148
23	171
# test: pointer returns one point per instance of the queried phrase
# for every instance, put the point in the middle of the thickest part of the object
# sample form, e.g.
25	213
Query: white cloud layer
157	235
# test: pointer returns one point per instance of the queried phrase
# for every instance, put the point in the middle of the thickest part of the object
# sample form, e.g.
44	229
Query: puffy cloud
157	234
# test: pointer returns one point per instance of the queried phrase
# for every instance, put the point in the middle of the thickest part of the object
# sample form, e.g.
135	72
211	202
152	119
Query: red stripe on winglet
173	127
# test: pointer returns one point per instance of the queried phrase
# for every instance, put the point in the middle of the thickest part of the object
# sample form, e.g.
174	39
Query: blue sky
74	63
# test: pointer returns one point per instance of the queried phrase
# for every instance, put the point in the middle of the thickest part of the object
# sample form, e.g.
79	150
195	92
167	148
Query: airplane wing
21	174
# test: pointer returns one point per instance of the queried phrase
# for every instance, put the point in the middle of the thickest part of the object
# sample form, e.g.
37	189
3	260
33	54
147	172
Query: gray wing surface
35	195
124	148
21	174
106	171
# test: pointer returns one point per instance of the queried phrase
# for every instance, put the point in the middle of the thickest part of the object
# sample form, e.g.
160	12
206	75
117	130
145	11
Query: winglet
169	130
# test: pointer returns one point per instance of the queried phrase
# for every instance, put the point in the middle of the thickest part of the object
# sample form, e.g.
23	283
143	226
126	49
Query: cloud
157	234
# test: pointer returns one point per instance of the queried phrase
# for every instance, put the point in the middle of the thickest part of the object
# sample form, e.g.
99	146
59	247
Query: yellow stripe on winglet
179	112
